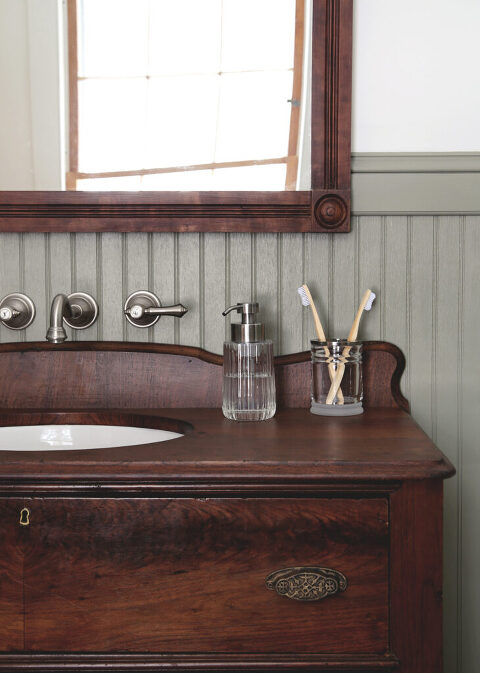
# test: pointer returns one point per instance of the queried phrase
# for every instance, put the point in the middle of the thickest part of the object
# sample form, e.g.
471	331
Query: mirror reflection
155	95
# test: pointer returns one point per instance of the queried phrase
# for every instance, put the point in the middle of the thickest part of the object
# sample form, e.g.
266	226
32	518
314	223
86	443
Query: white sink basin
75	437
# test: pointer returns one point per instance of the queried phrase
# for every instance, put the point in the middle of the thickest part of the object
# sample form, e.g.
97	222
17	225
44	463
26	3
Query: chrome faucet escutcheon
17	311
78	310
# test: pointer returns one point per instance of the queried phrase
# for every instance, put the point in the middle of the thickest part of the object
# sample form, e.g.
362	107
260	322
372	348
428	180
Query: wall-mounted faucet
17	311
78	310
143	309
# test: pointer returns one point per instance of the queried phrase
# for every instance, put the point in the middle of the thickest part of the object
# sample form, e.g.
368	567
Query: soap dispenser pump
248	375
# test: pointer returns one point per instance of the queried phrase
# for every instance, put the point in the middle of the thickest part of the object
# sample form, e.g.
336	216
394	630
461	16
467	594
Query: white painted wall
32	111
416	76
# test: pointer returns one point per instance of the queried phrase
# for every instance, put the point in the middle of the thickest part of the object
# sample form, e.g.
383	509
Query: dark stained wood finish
324	209
416	576
108	575
11	576
295	448
97	663
129	375
154	557
332	93
156	211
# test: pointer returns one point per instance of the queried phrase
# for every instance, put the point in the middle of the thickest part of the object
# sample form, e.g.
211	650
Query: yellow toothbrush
365	305
307	300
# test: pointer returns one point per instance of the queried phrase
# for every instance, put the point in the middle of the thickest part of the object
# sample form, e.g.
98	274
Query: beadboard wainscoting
426	274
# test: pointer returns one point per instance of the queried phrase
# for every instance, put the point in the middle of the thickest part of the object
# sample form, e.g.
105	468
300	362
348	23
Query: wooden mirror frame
324	208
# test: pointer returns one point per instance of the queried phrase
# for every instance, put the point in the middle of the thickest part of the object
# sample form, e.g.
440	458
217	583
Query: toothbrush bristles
303	296
370	301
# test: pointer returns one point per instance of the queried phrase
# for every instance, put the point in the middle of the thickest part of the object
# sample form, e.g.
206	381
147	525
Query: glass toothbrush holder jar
337	387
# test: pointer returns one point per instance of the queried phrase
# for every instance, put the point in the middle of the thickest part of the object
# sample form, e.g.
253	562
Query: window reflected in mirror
187	95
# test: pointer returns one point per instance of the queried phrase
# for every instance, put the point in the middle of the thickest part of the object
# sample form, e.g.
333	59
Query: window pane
111	124
258	34
269	177
184	36
187	181
241	178
128	184
254	116
113	33
181	120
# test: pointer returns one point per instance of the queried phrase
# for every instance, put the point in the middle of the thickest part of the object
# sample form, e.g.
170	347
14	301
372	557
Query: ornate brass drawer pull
310	583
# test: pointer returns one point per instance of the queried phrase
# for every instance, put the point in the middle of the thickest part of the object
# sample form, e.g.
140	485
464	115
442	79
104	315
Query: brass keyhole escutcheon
25	517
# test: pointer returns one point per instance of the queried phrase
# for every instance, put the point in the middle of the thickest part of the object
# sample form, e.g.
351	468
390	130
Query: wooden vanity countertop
295	449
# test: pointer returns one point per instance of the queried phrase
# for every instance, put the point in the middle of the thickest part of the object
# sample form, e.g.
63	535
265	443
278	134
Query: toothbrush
307	300
365	305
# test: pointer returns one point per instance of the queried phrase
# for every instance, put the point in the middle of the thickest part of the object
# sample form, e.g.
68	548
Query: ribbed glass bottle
248	381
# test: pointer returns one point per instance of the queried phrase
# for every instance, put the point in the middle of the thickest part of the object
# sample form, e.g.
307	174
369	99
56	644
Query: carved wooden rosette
331	211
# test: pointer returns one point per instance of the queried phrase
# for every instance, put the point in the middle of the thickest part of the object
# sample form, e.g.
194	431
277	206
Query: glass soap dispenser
248	376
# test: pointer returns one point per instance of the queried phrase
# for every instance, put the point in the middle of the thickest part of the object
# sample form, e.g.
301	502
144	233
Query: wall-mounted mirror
206	104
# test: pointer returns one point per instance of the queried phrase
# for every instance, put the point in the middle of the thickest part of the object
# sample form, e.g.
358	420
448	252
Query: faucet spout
60	307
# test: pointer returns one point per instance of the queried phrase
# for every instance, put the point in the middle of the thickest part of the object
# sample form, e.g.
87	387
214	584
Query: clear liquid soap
248	373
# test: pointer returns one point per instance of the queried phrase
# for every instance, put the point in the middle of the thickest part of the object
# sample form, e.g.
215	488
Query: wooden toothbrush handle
337	381
332	372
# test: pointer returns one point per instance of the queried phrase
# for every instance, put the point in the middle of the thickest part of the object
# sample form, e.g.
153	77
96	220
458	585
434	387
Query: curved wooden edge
368	346
206	356
388	347
116	347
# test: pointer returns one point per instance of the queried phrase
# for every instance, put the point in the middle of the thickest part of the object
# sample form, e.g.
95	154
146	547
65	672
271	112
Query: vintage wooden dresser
300	543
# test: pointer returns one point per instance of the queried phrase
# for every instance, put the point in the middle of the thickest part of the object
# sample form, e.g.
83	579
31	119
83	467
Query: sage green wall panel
137	261
85	272
214	292
469	586
190	292
113	292
240	270
424	269
267	283
291	274
447	321
420	317
343	283
11	277
162	269
369	264
395	283
60	259
36	280
317	274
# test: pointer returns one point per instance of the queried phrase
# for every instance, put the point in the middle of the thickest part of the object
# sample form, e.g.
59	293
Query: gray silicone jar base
336	409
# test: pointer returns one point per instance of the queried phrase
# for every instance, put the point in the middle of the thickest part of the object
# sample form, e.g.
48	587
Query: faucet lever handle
143	309
178	310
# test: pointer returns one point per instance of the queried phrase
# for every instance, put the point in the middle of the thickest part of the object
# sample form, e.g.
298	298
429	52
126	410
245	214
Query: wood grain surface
11	575
293	450
163	575
144	375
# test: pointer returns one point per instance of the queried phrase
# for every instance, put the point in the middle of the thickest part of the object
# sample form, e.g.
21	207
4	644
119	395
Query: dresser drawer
191	575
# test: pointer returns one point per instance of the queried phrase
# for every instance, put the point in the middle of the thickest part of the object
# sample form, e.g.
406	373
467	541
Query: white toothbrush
307	300
365	305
